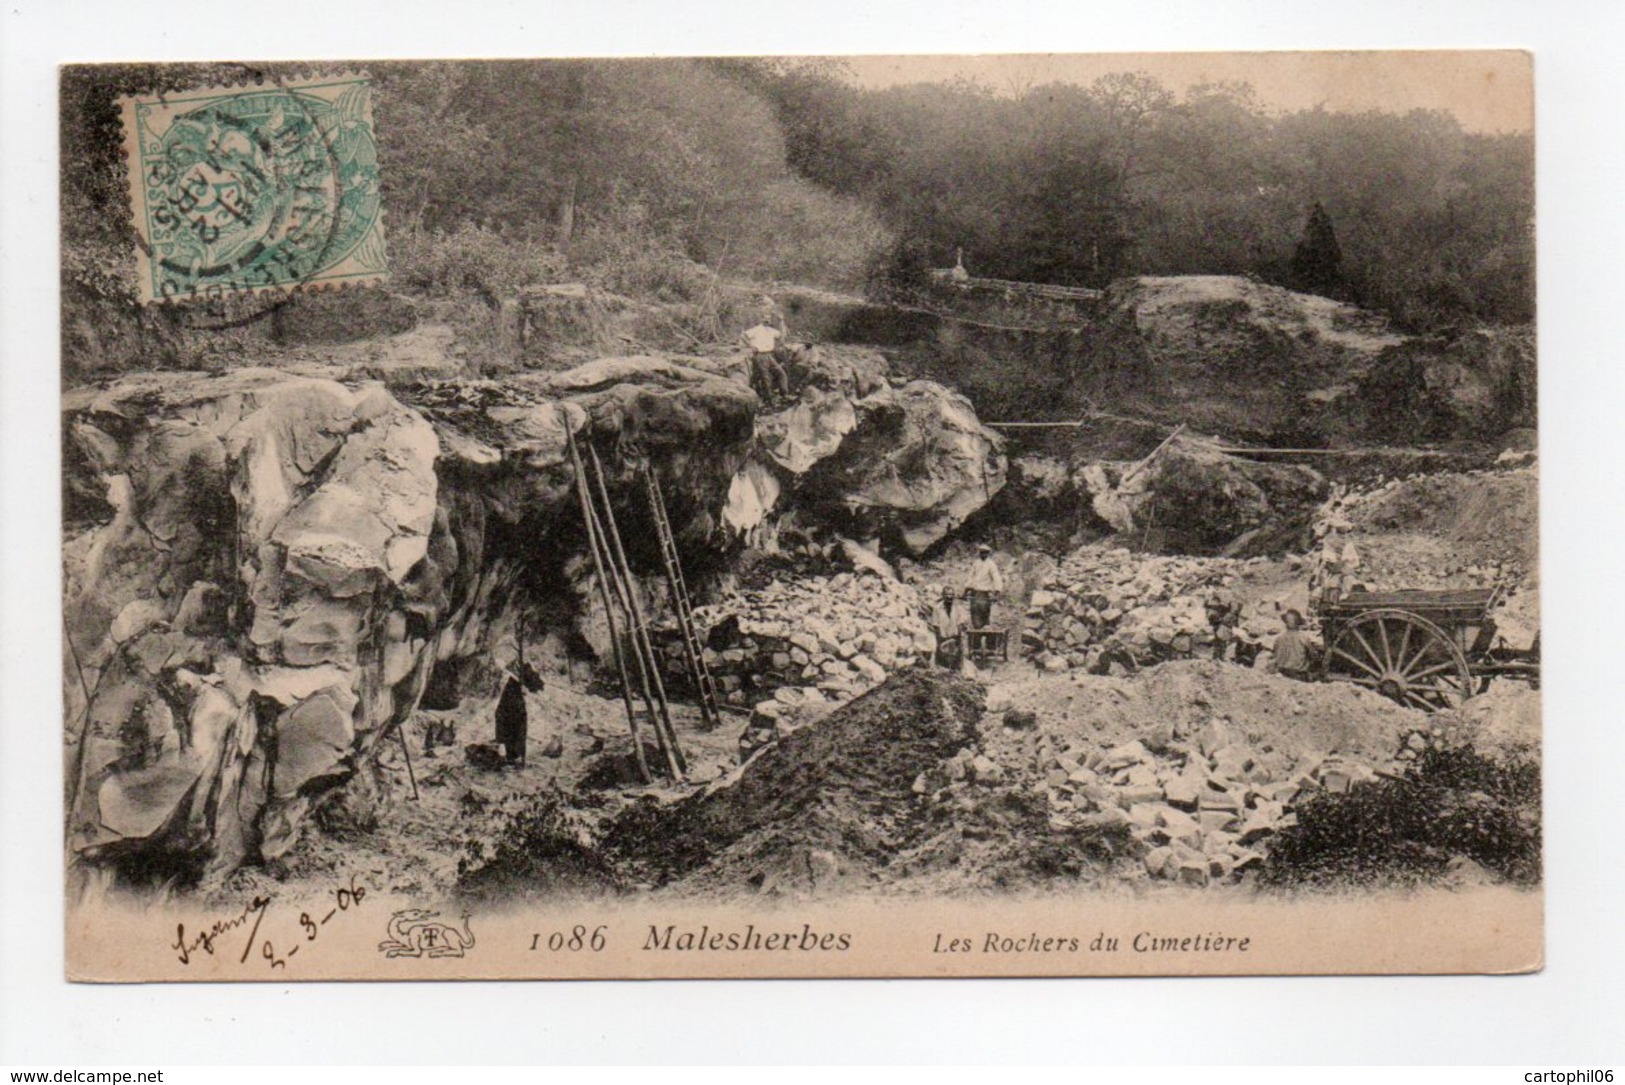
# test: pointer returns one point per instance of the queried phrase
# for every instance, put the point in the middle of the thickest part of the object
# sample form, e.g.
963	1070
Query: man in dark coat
511	721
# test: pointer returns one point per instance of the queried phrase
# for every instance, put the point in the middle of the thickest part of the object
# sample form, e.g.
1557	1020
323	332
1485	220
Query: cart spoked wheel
1405	658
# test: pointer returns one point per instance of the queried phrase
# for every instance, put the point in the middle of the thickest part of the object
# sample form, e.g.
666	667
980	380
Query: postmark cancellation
268	187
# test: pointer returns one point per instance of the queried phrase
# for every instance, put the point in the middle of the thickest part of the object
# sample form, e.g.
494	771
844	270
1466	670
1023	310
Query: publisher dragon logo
416	932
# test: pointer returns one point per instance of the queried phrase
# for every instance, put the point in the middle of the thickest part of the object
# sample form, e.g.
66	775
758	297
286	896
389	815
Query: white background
1572	1013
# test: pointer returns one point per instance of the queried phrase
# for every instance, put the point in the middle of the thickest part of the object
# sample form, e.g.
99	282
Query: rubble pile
1203	811
1200	763
1448	530
792	649
1154	607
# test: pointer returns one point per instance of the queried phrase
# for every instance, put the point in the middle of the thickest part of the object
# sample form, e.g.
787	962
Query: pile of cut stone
1204	811
1152	605
795	648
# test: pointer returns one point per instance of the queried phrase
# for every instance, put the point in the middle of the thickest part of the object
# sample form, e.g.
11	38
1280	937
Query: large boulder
1190	498
908	464
917	469
247	561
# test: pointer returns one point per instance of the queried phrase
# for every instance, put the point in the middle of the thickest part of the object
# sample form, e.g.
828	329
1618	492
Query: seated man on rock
1292	652
948	622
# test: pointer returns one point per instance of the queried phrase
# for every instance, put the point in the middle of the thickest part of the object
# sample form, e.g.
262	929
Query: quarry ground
1024	780
248	716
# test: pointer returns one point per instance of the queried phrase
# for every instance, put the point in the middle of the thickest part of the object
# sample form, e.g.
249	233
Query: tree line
1077	185
652	176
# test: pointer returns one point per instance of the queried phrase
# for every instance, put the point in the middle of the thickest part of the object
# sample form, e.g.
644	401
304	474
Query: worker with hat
986	583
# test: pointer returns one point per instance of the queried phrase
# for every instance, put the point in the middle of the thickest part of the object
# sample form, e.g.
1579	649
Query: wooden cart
1427	649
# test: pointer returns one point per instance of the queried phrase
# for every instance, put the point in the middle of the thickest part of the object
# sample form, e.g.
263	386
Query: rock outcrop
1478	385
1237	356
1233	355
239	603
904	464
265	570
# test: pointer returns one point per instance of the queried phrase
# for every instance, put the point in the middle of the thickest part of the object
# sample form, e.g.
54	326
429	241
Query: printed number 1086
575	939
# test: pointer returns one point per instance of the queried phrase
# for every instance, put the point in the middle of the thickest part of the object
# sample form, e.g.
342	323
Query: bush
1452	802
530	844
470	261
803	234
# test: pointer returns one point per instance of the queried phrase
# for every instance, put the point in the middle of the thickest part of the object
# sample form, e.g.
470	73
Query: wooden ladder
693	651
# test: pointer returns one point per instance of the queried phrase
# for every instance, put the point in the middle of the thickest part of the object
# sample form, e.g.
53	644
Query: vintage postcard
869	516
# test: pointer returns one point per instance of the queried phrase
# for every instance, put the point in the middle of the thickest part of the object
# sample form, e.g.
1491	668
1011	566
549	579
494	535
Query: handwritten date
344	898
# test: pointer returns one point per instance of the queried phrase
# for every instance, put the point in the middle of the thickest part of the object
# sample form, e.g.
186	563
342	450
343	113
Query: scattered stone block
1216	820
1144	814
984	770
1194	873
1130	794
1119	757
1184	790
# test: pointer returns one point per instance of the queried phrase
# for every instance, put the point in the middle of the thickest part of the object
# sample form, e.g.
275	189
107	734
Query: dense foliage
633	174
1452	804
1078	185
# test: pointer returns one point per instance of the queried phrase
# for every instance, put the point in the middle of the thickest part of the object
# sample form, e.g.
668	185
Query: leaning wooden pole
641	665
1137	468
640	629
593	544
640	759
619	584
643	648
406	752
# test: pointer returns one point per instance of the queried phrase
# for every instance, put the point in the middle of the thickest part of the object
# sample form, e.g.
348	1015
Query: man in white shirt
986	584
765	339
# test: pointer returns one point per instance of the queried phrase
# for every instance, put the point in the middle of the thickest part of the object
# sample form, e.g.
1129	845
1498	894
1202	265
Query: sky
1487	91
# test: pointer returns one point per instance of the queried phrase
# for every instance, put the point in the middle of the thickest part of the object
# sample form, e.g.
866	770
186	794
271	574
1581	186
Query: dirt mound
1504	719
833	801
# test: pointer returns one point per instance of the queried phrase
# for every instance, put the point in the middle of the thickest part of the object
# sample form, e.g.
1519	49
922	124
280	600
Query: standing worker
766	342
512	724
1333	574
1223	616
986	583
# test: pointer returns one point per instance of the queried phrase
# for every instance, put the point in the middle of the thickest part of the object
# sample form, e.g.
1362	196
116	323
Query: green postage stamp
248	189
